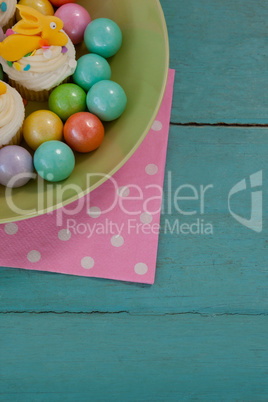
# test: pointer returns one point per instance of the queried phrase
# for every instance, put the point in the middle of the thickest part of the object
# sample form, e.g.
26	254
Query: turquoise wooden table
200	333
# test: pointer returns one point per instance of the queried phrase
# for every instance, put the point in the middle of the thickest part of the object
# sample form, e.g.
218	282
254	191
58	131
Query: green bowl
141	67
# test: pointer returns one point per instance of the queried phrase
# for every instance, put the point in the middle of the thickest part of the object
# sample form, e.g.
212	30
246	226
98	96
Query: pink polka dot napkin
116	235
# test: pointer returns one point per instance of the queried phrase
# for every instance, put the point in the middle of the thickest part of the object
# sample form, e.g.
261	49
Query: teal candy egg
54	161
91	69
107	100
66	100
104	37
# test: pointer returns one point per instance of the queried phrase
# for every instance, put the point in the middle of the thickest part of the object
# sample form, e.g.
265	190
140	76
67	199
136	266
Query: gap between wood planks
132	314
192	124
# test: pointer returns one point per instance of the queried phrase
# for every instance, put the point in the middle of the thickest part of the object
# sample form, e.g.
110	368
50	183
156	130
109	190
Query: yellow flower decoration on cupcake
34	31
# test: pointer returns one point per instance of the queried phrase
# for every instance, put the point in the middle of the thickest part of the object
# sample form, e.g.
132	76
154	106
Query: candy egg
107	100
54	161
75	19
43	6
66	100
103	37
83	132
16	166
58	3
41	126
91	69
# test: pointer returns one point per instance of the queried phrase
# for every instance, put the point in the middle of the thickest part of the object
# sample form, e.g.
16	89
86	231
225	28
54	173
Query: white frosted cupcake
12	115
7	14
40	73
38	56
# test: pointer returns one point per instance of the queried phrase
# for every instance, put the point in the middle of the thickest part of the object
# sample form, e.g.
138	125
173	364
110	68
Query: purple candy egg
15	163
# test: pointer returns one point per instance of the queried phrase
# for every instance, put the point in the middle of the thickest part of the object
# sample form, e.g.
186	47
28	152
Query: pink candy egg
75	19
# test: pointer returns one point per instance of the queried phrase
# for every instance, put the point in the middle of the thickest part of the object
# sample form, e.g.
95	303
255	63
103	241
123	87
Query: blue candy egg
104	37
91	69
54	161
107	100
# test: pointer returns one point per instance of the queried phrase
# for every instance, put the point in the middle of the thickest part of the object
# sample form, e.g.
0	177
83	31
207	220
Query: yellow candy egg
42	126
43	6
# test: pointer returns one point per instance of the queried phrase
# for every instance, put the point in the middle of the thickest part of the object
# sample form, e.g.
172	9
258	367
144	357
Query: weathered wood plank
48	357
221	273
220	52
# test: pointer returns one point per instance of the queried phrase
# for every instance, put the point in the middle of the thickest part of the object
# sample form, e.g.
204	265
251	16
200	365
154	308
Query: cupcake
12	115
38	55
7	14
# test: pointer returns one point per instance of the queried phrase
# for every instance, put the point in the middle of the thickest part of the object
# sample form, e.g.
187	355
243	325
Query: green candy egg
66	100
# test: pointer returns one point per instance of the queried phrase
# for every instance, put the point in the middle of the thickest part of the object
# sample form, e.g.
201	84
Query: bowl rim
130	153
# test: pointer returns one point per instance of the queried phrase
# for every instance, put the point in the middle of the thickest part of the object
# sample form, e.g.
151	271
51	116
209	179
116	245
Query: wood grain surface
200	332
219	49
124	357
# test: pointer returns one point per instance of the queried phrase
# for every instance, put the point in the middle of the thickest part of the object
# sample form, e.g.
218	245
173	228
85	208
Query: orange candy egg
58	3
42	126
83	132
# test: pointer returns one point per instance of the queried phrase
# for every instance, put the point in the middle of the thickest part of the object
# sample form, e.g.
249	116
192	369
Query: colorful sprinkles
47	54
17	66
3	6
9	32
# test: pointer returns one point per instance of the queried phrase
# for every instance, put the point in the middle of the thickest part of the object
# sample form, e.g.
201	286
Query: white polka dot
117	241
157	126
123	191
64	234
141	268
94	212
11	228
151	169
34	256
87	262
145	217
